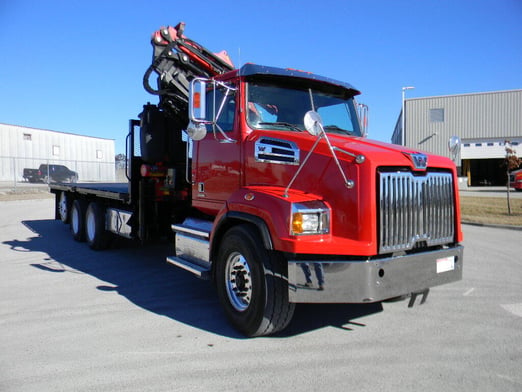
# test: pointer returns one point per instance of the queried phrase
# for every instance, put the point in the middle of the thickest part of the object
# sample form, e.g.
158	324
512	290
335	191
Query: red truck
276	196
515	180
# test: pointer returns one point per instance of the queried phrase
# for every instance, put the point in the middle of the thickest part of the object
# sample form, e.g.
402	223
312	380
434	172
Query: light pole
403	113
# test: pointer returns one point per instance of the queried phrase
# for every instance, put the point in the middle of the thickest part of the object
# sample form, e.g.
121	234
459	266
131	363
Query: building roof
465	94
50	130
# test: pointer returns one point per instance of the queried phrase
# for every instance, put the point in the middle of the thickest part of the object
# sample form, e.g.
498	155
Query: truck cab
282	152
254	130
252	142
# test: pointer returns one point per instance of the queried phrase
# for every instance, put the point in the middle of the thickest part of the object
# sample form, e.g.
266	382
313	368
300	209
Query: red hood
385	154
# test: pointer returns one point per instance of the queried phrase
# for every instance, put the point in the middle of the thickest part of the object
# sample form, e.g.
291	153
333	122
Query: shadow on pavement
141	275
309	317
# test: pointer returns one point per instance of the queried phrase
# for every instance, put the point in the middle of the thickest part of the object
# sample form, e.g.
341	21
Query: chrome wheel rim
62	207
90	225
238	281
75	220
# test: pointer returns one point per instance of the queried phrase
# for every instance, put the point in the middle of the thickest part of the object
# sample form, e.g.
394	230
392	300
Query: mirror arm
302	165
314	126
349	184
216	116
225	139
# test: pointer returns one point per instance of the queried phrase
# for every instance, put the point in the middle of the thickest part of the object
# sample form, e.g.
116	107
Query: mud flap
413	297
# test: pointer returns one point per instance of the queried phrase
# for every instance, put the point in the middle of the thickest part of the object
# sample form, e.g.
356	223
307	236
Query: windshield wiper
335	128
293	127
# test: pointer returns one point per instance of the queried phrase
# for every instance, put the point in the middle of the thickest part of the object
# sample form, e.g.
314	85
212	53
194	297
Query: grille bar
415	210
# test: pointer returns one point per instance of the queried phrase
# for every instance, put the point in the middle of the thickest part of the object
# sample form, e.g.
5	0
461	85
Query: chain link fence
17	171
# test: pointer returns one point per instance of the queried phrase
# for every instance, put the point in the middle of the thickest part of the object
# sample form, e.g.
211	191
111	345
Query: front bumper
375	280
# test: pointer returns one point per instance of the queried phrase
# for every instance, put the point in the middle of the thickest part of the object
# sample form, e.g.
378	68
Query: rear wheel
77	218
64	206
95	234
251	284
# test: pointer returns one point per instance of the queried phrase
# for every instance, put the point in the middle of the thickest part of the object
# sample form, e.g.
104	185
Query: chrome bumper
375	280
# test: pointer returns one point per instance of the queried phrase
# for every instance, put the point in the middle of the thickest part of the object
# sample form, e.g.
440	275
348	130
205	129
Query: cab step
196	269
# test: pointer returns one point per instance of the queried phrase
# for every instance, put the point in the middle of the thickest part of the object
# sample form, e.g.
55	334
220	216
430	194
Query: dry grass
25	195
491	210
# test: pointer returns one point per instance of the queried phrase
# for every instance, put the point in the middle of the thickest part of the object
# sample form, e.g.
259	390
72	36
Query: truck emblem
420	161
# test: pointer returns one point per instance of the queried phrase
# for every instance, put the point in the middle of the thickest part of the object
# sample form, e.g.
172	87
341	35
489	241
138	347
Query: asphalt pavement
72	319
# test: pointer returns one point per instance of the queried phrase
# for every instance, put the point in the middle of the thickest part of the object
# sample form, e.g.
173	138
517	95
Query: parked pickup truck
50	173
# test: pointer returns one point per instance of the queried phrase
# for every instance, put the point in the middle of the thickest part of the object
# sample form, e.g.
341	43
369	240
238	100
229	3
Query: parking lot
123	319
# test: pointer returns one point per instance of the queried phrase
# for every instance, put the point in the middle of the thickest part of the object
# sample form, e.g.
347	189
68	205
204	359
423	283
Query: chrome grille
415	210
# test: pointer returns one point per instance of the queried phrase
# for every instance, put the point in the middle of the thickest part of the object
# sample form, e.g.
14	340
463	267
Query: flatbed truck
268	187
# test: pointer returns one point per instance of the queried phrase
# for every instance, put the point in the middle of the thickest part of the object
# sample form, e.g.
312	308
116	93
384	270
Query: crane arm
176	61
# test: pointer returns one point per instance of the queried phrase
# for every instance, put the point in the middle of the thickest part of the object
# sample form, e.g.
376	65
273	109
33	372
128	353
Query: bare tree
512	162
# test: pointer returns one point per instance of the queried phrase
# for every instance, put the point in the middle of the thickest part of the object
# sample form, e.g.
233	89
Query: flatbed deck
110	190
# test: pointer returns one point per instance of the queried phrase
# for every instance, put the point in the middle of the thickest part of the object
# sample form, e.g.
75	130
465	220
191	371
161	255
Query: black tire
252	283
95	234
64	207
77	219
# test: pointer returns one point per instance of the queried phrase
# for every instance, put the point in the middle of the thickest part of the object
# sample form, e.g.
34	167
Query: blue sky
77	66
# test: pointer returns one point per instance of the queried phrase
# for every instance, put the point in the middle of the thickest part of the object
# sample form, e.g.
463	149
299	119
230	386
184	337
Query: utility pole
403	115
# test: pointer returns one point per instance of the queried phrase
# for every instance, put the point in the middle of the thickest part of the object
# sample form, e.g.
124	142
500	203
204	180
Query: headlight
310	218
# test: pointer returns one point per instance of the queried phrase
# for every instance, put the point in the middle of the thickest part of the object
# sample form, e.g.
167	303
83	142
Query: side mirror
362	113
454	147
454	144
313	123
197	104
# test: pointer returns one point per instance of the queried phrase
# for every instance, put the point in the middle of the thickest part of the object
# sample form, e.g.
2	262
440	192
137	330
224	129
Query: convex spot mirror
196	131
313	123
454	144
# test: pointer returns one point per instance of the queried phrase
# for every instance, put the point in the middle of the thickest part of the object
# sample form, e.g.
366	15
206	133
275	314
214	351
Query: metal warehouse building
483	122
21	147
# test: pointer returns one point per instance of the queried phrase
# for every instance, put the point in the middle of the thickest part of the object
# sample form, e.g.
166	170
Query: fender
253	206
225	222
269	209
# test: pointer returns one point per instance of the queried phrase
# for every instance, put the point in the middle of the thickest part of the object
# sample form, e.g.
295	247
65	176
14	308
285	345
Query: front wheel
252	283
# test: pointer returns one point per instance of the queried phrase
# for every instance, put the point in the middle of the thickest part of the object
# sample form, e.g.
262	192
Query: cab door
216	168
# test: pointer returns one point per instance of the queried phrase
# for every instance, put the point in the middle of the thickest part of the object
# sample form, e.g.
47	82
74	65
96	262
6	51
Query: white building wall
487	116
22	147
488	148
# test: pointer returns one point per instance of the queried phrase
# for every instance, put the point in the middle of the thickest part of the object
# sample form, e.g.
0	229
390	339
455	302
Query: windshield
271	106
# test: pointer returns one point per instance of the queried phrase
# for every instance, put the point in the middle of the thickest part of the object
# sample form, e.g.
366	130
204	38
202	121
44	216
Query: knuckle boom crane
177	60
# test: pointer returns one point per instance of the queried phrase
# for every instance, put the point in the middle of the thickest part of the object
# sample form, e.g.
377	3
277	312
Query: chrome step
196	269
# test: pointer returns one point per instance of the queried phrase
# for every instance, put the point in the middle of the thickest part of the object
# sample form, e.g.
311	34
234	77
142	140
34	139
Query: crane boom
176	61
